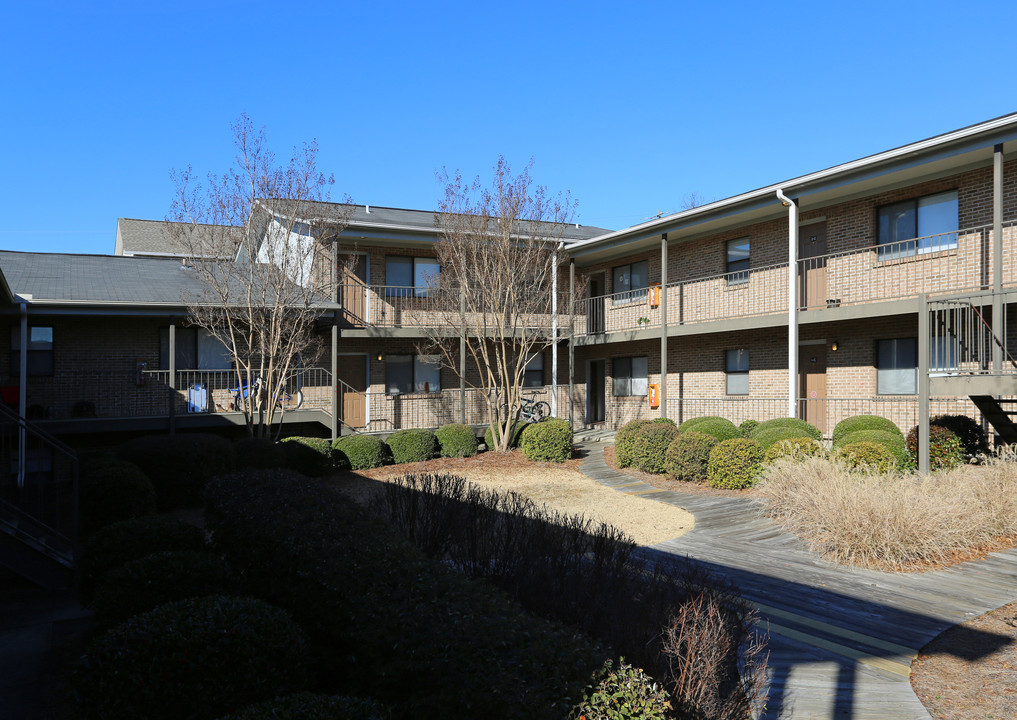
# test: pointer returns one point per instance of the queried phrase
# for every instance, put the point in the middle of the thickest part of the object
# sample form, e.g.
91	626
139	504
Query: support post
462	359
923	384
998	325
335	375
23	398
572	341
792	303
172	380
554	332
663	325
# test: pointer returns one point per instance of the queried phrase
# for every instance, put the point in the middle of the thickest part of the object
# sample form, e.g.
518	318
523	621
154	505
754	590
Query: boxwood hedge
179	465
736	463
457	440
549	441
112	490
412	445
362	451
312	456
863	422
803	428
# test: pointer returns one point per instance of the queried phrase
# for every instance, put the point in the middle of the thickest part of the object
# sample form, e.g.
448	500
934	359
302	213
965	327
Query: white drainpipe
792	303
554	331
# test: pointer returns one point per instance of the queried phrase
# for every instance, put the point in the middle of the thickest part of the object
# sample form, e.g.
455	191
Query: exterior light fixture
835	346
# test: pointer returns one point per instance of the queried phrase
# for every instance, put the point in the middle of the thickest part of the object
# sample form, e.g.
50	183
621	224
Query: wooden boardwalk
841	639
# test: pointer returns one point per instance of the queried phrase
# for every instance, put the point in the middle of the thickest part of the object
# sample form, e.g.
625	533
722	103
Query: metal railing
962	340
205	391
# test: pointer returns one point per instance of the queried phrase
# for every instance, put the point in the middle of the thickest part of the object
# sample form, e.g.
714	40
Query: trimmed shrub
796	448
157	579
113	490
118	544
457	440
716	427
867	456
688	455
362	451
945	448
252	452
863	422
971	434
736	463
624	693
624	440
309	706
197	658
517	430
309	455
415	445
747	427
767	437
692	422
803	428
179	465
549	441
892	441
650	445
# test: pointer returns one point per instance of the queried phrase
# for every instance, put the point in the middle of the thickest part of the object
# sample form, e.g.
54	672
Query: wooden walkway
841	640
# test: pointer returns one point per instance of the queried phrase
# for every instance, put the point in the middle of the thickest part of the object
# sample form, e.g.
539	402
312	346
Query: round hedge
157	579
945	449
691	423
309	456
309	706
866	456
118	544
622	693
803	428
112	490
736	463
457	440
197	658
416	445
517	430
716	427
624	439
796	448
362	451
971	434
747	427
863	422
180	465
688	456
252	452
768	436
548	441
650	445
892	441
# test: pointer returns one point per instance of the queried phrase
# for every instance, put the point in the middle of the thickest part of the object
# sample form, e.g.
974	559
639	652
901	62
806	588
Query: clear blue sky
631	107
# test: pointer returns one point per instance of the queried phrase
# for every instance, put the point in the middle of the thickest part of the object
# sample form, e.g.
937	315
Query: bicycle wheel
541	411
291	401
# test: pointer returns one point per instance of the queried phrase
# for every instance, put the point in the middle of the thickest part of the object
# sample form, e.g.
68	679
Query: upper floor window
409	276
630	376
196	349
38	355
630	282
737	372
923	225
737	261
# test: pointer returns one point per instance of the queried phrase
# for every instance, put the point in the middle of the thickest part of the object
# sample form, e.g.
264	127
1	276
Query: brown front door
353	389
595	305
353	288
596	410
812	271
812	385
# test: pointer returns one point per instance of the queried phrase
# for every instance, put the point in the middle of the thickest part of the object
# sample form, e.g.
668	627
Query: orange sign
654	295
654	395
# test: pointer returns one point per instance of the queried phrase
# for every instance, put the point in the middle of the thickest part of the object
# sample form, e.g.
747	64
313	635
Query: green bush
252	452
866	456
795	448
650	445
691	423
112	490
971	434
863	422
804	429
736	463
945	448
309	455
624	440
409	446
517	430
716	427
197	658
747	427
362	451
179	465
892	441
768	436
309	706
141	585
688	455
116	545
624	693
549	441
457	440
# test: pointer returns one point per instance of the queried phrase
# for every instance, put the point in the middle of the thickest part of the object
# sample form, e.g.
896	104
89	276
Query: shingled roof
153	238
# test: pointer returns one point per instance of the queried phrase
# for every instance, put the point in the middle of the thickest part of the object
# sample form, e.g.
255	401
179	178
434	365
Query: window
738	372
38	356
533	375
737	261
630	376
630	282
197	349
897	366
409	276
922	225
412	374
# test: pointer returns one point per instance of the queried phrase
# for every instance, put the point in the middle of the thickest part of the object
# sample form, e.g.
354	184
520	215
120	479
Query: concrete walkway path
841	639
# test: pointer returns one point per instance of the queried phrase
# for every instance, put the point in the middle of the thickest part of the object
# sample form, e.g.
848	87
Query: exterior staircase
1002	420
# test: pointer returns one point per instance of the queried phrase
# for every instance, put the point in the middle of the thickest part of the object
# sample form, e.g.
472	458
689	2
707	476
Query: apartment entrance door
595	400
352	273
812	385
595	304
353	390
812	270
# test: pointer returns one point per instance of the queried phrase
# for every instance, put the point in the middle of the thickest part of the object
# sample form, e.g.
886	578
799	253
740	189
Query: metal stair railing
962	340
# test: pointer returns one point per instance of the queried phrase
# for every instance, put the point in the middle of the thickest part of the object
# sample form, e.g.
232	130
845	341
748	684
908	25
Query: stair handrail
981	318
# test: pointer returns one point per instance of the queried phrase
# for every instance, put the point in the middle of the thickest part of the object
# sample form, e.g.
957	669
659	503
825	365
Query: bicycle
529	411
284	400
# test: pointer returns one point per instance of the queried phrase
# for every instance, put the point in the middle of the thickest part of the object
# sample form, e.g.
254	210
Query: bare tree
261	239
499	251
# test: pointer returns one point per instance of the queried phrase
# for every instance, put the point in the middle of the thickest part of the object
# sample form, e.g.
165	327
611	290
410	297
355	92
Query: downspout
23	397
554	330
792	303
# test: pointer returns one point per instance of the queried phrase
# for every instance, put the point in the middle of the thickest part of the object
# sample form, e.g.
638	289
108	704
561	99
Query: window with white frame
630	376
38	355
196	349
412	374
409	276
737	371
922	225
533	374
737	261
630	282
